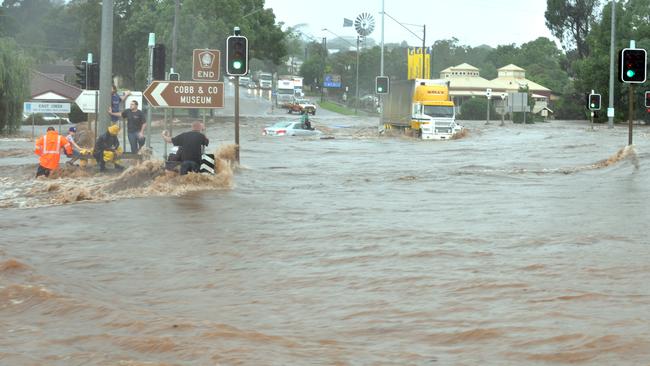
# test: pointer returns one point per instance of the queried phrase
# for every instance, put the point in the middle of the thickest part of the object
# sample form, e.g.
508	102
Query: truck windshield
439	111
285	91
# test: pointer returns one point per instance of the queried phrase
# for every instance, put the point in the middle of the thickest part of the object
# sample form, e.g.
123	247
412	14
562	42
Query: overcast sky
473	22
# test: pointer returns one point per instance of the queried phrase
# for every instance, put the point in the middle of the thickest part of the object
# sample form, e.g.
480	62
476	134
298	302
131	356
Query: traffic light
382	84
647	99
159	62
82	75
92	76
237	55
594	102
633	64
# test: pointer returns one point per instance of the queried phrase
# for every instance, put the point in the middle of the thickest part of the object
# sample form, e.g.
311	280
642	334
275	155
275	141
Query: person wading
48	147
190	145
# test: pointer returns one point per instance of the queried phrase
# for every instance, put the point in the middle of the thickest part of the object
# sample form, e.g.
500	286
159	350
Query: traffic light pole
237	118
630	114
149	81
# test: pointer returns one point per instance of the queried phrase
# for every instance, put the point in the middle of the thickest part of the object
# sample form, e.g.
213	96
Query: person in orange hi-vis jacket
48	147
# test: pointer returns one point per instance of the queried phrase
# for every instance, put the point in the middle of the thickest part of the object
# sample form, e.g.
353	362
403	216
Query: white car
48	118
289	129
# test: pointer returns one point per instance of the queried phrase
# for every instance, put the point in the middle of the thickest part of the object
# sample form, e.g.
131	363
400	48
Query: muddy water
516	245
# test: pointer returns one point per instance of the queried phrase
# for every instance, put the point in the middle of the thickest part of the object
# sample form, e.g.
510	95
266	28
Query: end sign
206	65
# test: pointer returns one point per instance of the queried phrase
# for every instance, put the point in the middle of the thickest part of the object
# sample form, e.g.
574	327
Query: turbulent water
516	245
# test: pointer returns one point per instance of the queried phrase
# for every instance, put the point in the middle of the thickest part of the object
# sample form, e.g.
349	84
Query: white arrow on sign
156	94
86	100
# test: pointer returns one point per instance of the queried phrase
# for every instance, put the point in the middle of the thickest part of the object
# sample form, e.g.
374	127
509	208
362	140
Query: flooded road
517	245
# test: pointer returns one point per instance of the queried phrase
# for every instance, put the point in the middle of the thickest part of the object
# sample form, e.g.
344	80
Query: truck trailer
421	107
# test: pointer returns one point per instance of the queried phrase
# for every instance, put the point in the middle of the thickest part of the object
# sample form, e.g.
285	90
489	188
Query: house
51	89
466	82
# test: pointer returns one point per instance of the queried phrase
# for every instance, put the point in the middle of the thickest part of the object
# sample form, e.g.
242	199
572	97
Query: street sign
332	81
38	107
185	94
86	101
206	65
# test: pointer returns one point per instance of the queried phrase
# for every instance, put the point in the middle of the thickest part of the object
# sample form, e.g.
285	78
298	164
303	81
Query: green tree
570	21
14	84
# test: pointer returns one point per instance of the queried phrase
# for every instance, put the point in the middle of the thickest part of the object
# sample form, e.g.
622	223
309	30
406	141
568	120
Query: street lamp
423	38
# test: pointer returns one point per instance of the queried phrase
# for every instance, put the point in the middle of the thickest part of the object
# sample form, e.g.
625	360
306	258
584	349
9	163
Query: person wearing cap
48	148
107	148
76	149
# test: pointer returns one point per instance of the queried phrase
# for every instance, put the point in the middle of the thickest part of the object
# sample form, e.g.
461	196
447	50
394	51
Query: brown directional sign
206	65
185	94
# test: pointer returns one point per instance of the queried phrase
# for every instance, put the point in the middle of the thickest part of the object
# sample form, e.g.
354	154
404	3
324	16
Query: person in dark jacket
190	145
107	148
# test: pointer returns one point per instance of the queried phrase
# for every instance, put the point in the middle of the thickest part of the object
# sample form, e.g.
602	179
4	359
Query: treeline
50	30
582	64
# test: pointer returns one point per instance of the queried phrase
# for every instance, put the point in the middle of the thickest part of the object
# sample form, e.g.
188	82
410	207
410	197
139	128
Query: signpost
185	94
38	107
86	101
206	65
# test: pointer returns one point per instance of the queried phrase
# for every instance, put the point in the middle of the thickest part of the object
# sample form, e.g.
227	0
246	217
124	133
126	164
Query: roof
511	67
463	66
42	84
511	83
468	82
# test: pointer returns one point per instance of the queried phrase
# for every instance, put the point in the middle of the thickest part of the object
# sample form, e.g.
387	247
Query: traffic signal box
633	64
93	76
647	99
159	62
237	55
382	85
82	75
594	102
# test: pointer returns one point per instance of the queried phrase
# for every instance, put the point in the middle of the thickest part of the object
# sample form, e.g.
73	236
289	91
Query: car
302	105
252	85
289	129
45	118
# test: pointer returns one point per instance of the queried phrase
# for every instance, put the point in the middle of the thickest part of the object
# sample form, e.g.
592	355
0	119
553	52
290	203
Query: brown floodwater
515	245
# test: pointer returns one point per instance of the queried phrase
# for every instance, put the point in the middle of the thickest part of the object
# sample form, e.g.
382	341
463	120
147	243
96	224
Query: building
51	89
466	82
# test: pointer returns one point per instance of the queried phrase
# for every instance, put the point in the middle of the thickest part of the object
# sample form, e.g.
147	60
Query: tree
14	84
570	21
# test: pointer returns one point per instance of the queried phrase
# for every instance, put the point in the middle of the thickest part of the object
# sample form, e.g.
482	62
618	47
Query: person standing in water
48	148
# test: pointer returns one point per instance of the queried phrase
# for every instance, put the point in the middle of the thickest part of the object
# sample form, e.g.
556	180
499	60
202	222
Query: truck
284	91
264	80
420	107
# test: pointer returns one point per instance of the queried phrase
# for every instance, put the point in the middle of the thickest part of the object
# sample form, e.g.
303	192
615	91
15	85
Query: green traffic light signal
236	65
630	73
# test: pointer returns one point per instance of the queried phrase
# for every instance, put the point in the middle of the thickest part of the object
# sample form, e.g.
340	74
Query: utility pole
381	60
356	102
612	46
152	43
424	45
177	8
106	66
